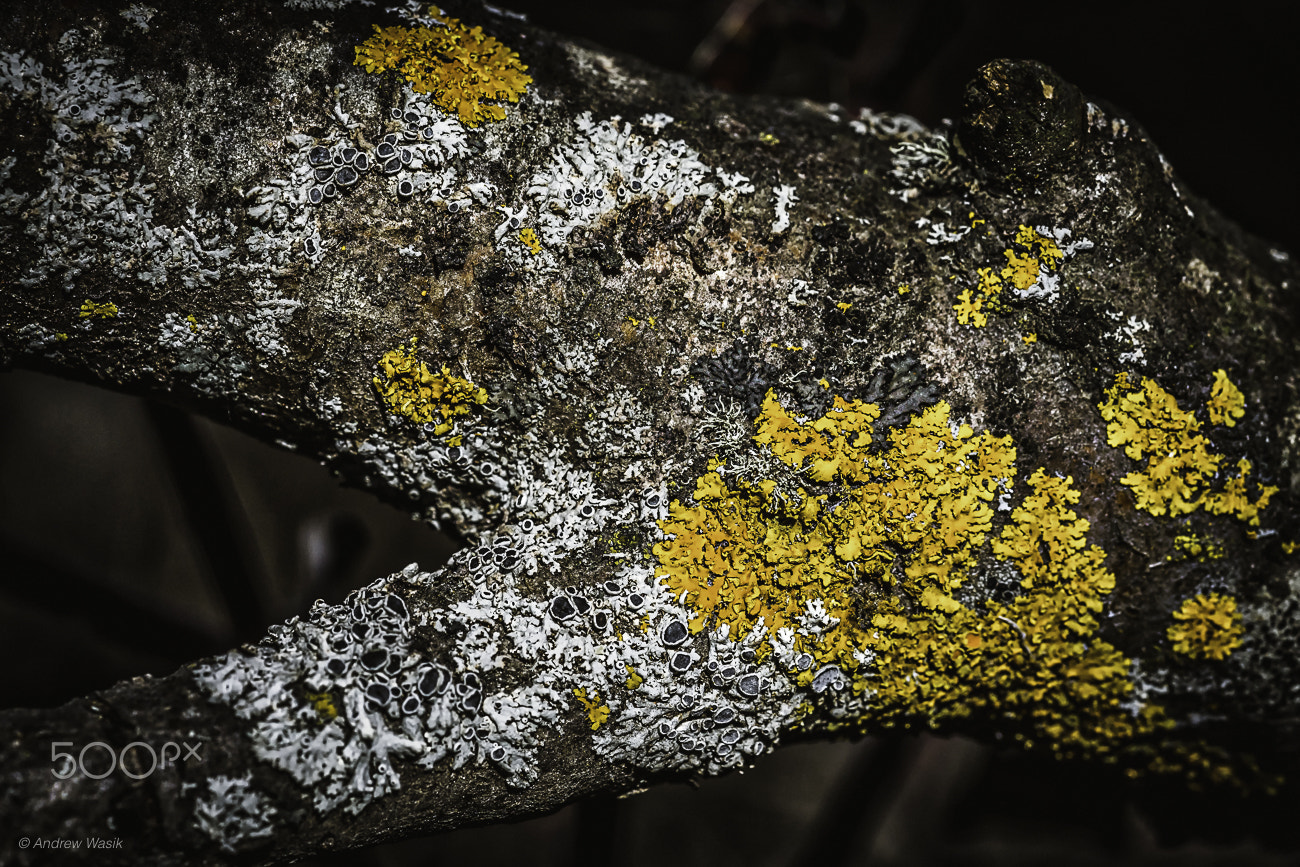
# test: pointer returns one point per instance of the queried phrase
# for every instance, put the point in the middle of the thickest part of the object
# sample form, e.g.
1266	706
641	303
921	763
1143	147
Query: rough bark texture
759	421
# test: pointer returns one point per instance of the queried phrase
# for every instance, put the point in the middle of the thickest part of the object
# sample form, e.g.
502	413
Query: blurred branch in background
105	581
214	517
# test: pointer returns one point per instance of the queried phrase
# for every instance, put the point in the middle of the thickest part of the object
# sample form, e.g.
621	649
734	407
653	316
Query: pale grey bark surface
697	253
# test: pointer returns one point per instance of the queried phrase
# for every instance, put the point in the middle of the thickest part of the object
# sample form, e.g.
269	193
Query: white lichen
93	210
886	125
139	15
919	163
1127	338
784	196
233	813
606	166
1047	286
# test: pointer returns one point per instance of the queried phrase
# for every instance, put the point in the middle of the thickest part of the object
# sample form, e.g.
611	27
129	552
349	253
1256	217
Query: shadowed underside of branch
761	420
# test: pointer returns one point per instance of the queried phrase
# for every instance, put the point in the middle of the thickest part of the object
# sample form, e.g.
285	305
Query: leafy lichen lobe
1181	462
409	389
1207	626
460	66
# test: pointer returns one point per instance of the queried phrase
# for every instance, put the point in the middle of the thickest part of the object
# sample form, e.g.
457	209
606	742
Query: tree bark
760	420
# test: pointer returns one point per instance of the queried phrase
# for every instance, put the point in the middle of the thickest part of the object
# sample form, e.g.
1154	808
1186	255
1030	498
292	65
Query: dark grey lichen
736	374
899	388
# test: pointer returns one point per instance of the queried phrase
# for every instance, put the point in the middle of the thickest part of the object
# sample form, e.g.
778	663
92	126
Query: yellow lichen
528	237
1034	659
1147	422
323	702
744	552
90	309
192	323
1207	627
410	389
879	540
597	712
975	304
1021	269
634	680
1193	547
1029	338
459	66
1029	257
803	711
1226	403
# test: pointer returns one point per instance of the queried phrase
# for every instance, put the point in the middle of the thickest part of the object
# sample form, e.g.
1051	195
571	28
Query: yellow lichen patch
1194	547
323	702
1021	269
1030	257
459	66
902	523
745	553
634	680
192	323
1147	422
1206	627
597	712
862	567
1034	659
90	309
1226	403
1029	338
803	711
410	389
974	305
528	237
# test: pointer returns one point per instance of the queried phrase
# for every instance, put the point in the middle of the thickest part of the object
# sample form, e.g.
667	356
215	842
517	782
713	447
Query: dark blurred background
135	537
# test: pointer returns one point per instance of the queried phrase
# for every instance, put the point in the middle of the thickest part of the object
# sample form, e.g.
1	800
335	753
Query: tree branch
760	421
